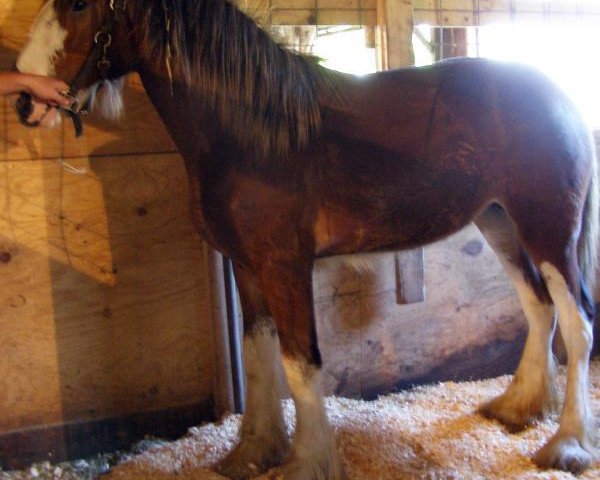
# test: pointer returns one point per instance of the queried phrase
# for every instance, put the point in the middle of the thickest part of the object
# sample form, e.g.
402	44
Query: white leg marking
531	392
46	42
570	447
264	441
314	454
262	362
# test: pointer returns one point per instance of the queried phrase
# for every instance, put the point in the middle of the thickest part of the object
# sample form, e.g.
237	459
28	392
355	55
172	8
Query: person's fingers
49	90
52	99
62	90
57	96
61	85
62	100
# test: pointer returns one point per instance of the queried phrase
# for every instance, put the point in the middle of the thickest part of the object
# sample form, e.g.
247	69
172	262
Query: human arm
43	89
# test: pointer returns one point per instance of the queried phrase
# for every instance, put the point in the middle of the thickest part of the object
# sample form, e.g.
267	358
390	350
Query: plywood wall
469	325
104	305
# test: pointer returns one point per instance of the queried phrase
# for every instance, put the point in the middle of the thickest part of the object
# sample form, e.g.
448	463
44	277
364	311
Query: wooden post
410	281
449	42
395	22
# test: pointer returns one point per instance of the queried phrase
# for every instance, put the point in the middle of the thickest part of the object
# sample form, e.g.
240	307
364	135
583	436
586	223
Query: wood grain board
470	324
104	302
103	292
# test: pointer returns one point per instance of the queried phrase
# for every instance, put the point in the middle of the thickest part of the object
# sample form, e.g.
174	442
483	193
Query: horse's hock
107	312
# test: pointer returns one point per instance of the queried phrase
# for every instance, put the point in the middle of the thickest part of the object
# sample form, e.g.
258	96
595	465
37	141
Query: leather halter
97	59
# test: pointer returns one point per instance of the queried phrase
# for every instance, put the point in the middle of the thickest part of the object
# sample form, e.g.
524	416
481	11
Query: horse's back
447	141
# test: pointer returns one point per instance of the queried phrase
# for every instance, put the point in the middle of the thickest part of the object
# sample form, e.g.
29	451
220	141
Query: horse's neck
187	121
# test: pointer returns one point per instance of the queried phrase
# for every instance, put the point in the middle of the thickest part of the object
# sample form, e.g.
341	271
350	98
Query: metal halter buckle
75	105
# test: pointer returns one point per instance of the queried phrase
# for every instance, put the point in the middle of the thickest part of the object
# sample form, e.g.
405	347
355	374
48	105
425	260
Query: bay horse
289	162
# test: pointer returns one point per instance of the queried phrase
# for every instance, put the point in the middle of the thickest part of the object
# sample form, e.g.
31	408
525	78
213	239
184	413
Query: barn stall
118	322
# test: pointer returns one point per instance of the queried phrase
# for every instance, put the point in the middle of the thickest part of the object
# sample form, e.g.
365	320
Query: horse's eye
80	5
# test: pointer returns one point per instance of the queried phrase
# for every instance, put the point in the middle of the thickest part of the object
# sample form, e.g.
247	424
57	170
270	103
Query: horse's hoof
513	420
309	470
563	453
250	459
515	413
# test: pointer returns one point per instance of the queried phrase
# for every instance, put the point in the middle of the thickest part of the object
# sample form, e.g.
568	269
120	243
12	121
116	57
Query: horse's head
88	44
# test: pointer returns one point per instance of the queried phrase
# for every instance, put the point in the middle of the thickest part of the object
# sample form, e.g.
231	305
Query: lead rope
168	53
66	166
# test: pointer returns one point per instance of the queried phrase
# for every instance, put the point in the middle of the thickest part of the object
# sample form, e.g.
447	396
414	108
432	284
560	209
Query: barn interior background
114	315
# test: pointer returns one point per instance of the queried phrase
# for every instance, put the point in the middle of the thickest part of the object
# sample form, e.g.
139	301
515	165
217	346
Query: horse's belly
339	231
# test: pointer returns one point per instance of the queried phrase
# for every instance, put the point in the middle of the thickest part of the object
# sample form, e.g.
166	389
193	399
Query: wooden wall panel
313	12
105	307
469	326
102	291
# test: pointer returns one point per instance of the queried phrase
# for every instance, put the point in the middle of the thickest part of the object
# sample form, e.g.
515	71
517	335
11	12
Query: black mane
265	94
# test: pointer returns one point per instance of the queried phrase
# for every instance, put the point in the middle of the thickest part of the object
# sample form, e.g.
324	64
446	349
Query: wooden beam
463	13
449	42
410	276
395	20
448	13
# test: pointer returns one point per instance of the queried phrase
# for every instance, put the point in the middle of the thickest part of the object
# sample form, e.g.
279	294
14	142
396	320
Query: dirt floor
428	433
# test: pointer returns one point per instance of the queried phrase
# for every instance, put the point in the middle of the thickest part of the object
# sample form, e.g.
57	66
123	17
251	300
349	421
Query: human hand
46	89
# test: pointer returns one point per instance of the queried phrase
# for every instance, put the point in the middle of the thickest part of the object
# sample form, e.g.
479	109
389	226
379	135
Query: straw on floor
429	432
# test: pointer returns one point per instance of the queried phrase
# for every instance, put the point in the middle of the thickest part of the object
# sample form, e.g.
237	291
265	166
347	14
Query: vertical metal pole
235	334
223	380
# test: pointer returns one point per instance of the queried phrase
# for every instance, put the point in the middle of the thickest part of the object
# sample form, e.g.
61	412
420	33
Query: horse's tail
590	229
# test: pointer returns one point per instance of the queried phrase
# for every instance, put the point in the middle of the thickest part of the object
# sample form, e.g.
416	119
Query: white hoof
517	409
302	469
515	416
563	453
252	458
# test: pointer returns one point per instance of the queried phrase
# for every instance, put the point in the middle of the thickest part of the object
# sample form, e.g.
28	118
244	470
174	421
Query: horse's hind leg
264	441
531	394
570	448
550	227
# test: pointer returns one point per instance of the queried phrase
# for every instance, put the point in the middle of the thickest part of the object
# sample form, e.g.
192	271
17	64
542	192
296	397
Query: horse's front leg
288	290
264	442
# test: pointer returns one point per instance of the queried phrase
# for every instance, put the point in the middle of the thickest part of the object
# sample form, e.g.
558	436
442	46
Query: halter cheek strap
98	59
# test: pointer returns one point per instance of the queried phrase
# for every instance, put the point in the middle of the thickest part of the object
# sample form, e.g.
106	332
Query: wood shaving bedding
430	432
